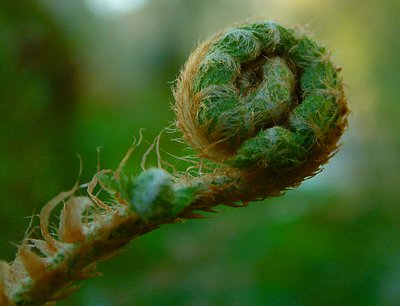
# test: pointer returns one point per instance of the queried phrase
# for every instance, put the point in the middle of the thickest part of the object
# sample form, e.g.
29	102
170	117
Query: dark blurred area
78	75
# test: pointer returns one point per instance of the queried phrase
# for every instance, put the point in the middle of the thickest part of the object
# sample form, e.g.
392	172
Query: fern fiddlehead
262	101
266	102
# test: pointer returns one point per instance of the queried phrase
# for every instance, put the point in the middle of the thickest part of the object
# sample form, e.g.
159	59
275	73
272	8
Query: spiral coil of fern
264	102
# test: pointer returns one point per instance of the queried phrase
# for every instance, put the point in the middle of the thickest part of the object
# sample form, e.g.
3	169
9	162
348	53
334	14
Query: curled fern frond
266	103
263	102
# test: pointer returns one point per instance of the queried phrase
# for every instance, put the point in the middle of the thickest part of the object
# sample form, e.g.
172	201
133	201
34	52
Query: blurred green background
77	75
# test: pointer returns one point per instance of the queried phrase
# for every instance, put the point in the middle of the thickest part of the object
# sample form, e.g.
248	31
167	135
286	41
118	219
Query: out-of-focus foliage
76	75
38	100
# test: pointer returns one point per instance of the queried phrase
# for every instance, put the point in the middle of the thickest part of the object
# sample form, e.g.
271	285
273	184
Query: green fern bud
264	101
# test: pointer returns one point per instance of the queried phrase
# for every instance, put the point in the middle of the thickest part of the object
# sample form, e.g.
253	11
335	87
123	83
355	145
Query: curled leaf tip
266	102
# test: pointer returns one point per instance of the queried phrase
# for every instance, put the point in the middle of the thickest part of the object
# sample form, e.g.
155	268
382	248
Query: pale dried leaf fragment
4	272
33	264
45	215
71	229
90	190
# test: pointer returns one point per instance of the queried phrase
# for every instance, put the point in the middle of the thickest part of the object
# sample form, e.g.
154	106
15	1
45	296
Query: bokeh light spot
112	7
